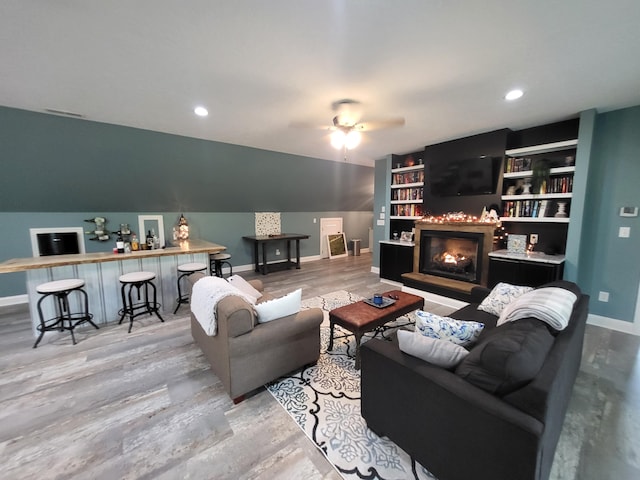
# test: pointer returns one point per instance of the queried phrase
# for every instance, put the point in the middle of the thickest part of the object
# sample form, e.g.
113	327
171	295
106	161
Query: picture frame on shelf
148	222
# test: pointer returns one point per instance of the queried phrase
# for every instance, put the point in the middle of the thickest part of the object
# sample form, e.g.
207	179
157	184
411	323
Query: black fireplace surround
452	254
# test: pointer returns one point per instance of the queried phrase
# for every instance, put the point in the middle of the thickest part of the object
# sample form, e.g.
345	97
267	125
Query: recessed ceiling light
201	111
514	94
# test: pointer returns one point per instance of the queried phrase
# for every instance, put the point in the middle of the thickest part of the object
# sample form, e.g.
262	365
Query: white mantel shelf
398	242
539	257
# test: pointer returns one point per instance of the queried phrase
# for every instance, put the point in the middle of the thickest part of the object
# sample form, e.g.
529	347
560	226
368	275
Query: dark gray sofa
460	431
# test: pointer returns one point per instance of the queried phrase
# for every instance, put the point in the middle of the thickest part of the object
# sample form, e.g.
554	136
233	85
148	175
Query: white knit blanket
206	294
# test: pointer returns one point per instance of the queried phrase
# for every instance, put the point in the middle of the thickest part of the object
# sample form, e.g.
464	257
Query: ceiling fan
346	125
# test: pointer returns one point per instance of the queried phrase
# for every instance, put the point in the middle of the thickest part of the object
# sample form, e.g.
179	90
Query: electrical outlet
277	251
533	238
603	296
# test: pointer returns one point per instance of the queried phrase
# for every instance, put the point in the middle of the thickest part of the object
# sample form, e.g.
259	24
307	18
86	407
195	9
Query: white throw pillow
445	328
438	352
501	296
279	307
245	287
552	305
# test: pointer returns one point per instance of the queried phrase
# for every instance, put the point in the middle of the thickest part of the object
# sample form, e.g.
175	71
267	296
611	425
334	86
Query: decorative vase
562	212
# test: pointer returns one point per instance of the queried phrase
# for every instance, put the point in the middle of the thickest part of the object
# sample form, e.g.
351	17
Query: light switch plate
624	232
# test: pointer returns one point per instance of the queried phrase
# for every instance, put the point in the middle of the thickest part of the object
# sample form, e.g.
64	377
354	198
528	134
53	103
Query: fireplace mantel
447	286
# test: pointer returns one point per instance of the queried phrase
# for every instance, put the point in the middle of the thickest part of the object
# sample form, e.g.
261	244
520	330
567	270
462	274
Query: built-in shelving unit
538	182
407	192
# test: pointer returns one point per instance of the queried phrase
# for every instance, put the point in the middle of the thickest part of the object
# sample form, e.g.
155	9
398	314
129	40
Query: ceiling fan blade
309	125
380	124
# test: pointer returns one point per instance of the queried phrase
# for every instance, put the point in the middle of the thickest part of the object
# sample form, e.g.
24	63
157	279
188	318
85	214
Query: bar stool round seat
185	270
142	304
218	260
64	319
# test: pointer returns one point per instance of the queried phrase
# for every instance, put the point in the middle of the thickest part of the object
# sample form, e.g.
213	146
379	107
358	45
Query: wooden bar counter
100	271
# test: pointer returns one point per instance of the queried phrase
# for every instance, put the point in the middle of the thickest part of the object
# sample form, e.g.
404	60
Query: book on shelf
543	208
517	164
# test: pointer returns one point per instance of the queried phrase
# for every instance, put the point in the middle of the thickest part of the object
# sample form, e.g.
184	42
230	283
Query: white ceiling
259	65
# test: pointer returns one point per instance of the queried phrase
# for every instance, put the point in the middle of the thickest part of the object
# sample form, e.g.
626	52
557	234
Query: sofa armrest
235	316
432	413
478	294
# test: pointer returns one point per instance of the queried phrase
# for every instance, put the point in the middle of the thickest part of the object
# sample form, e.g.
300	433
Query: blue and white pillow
501	296
459	332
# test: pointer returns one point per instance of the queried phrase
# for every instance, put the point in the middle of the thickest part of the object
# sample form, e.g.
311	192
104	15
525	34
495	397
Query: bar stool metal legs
186	269
218	260
139	281
65	319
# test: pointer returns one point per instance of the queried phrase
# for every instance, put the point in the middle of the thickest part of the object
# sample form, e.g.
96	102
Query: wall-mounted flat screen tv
467	176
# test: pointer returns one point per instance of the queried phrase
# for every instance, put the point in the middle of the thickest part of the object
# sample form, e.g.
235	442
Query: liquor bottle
156	240
149	240
135	245
120	243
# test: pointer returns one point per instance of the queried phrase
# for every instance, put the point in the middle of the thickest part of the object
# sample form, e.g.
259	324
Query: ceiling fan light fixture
348	139
338	139
352	139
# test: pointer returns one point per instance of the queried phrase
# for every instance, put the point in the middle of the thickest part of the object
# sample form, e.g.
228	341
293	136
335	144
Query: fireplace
450	258
451	254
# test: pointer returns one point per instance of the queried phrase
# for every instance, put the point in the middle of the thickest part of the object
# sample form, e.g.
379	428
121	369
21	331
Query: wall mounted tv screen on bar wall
467	176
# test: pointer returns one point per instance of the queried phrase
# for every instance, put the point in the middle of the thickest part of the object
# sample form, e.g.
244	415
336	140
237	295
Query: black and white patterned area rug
324	400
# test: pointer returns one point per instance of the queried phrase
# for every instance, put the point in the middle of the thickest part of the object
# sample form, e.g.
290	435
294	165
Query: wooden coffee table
360	317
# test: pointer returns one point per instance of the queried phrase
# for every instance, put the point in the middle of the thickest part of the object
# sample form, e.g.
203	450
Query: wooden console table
262	241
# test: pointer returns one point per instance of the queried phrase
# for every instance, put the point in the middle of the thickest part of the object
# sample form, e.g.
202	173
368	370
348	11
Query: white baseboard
613	324
376	270
14	300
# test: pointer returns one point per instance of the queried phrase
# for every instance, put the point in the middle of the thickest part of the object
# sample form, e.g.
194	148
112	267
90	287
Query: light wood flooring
145	405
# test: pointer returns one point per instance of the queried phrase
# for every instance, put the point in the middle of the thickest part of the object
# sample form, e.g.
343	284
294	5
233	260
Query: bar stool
138	280
61	289
217	260
187	269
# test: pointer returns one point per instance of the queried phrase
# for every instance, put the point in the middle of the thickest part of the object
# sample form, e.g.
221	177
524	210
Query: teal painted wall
59	164
57	171
580	197
609	263
382	183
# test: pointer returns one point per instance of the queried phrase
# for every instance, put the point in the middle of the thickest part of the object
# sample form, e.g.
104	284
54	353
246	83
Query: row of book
412	210
517	164
560	184
526	208
406	194
407	177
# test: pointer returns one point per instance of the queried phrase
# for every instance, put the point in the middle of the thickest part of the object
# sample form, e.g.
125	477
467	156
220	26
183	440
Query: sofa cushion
279	307
509	358
501	295
552	305
245	287
438	352
457	331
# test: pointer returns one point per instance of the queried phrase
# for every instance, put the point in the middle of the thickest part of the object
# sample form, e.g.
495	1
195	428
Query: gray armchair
245	354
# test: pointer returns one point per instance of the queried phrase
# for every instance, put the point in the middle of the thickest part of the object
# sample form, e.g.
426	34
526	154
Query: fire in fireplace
451	254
